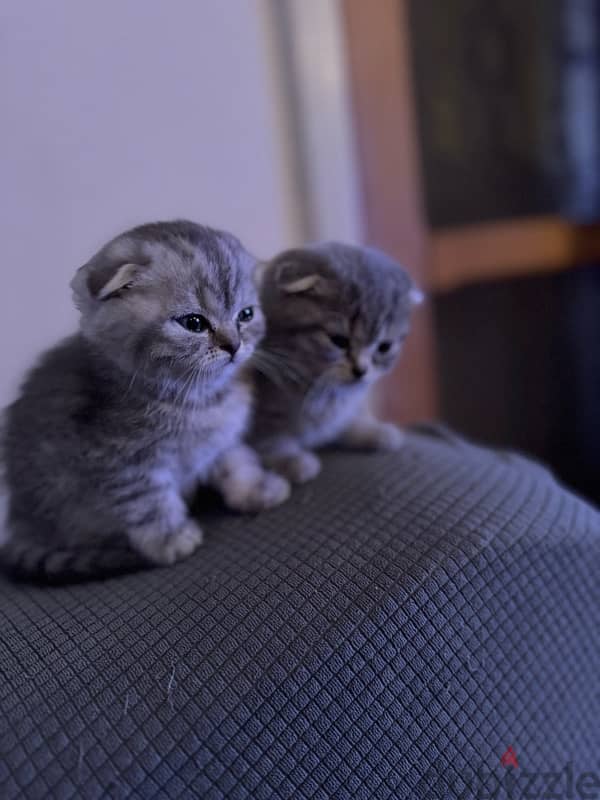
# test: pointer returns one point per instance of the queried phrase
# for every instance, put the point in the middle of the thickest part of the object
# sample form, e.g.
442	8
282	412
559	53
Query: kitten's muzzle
230	342
358	372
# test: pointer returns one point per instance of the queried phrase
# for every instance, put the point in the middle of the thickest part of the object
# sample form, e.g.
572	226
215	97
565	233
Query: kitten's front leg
286	456
367	433
158	523
244	484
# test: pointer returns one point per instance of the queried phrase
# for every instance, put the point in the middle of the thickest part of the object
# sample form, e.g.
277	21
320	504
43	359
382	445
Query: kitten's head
344	310
171	301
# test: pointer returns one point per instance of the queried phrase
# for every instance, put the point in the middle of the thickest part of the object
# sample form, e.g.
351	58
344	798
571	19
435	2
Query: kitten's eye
384	347
246	314
340	341
195	323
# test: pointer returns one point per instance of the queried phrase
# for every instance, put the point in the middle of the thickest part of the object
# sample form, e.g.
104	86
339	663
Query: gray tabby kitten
336	319
117	426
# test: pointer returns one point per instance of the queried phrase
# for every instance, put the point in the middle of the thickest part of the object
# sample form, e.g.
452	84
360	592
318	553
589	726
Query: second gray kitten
337	316
116	427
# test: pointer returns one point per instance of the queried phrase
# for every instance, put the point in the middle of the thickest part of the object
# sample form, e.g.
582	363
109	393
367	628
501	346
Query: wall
120	112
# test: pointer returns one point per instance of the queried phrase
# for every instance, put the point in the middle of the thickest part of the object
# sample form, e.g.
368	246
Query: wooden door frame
381	92
381	83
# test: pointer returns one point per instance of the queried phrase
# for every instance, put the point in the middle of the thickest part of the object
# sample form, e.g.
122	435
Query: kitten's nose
358	371
230	342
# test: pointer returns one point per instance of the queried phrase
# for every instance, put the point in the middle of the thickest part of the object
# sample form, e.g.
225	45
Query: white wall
124	111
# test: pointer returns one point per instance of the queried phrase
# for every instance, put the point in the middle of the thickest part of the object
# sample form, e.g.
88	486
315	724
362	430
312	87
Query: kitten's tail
38	564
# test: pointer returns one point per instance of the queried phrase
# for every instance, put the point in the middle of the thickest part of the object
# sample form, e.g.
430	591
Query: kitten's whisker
290	365
182	410
279	374
271	376
268	370
285	368
131	382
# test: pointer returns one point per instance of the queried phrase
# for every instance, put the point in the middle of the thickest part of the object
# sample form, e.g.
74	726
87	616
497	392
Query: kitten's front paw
386	436
266	491
165	550
271	491
299	468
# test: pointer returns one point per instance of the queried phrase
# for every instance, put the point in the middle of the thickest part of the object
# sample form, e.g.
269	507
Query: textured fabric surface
388	633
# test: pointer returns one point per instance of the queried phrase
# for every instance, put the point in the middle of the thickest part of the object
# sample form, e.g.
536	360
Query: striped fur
337	316
116	426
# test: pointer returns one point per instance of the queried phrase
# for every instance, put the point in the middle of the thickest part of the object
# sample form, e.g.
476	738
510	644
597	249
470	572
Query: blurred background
461	136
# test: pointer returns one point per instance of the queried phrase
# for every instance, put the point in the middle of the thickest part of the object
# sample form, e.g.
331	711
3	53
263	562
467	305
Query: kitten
117	425
336	319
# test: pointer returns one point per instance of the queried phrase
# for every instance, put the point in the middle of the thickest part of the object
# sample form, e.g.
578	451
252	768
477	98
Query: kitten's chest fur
323	416
194	437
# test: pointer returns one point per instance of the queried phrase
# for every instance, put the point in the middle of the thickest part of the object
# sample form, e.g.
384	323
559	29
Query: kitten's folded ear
106	275
299	285
302	271
122	278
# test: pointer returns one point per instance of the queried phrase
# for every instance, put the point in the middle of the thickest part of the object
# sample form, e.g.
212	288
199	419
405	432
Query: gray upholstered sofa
389	633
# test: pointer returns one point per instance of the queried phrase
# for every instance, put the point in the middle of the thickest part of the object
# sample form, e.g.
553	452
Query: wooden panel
507	249
381	87
389	160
